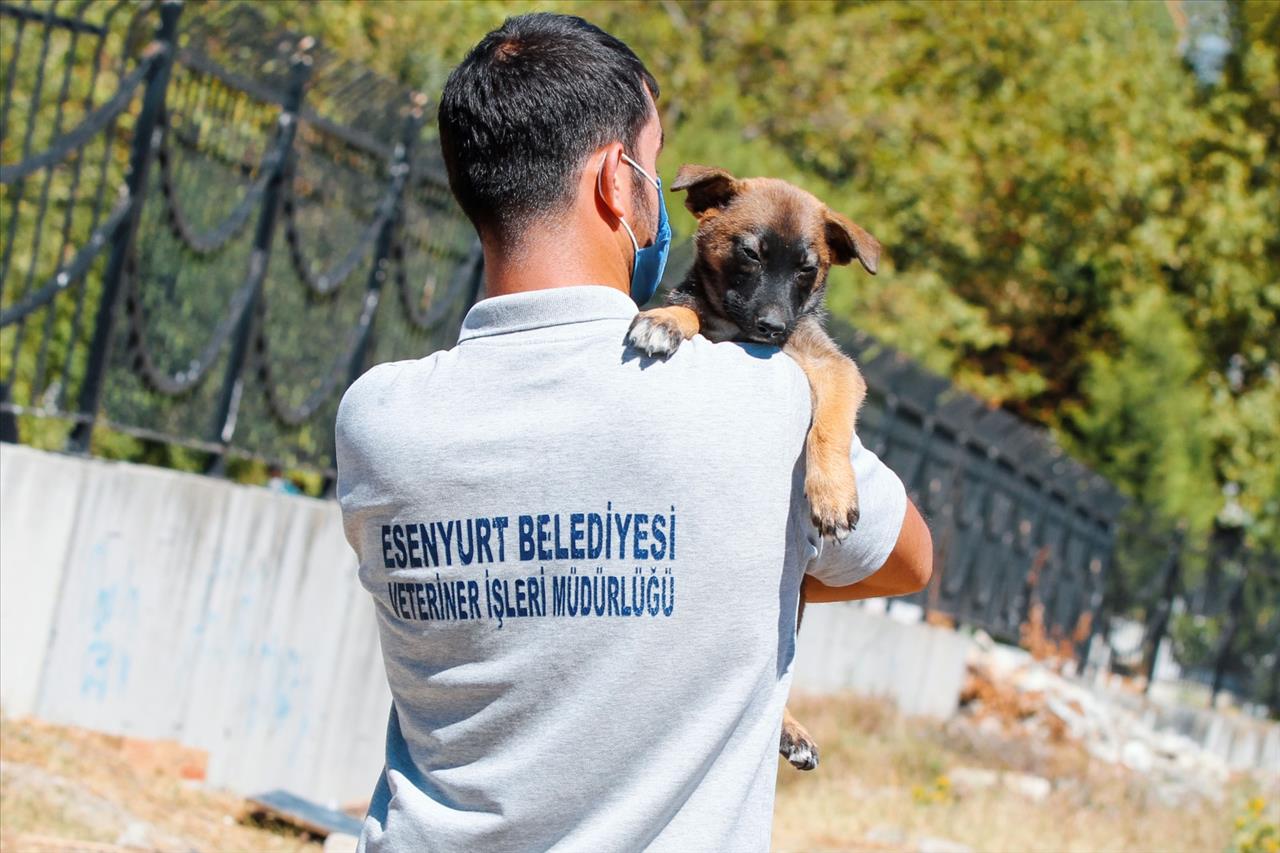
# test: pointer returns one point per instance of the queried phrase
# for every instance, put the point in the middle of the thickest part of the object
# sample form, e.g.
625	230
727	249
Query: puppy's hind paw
655	336
798	747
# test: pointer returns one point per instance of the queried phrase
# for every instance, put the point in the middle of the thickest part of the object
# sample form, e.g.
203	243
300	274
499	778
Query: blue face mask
651	261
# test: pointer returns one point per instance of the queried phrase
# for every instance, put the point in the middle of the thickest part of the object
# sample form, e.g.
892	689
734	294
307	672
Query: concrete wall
39	497
1242	742
163	605
156	604
849	647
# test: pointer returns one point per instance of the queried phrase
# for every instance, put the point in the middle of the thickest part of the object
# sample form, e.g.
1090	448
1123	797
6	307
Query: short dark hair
520	114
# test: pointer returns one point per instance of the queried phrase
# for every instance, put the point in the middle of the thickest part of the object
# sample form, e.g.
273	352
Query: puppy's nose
771	327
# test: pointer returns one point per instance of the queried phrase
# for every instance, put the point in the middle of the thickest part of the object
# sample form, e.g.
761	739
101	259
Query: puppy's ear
848	241
709	188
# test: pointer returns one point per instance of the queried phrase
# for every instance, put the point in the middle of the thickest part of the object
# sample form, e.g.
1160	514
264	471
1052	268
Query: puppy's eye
751	253
808	269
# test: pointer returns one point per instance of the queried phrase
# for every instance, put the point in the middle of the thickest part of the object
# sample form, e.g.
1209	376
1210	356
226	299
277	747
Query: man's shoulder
370	385
754	369
378	386
758	362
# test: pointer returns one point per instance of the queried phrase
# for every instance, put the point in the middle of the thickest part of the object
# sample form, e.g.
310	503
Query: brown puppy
763	251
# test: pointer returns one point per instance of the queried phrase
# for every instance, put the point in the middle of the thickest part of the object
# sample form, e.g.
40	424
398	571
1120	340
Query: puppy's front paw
833	501
655	334
797	746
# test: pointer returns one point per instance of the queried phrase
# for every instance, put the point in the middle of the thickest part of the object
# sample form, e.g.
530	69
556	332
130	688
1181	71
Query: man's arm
906	570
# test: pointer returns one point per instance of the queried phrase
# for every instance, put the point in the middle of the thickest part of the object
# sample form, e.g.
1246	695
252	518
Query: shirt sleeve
882	500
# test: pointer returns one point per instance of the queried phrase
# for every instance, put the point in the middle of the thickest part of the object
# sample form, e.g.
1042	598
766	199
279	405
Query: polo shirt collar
536	309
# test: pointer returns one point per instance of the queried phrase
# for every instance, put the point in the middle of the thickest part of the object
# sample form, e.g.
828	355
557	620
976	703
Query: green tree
1076	227
1141	395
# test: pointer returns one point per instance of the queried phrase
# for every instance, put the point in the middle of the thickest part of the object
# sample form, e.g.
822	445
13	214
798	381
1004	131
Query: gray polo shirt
585	565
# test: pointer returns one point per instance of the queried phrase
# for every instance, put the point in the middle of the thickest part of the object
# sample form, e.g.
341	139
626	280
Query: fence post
400	164
1273	695
224	425
1235	612
1094	607
145	140
8	421
1168	588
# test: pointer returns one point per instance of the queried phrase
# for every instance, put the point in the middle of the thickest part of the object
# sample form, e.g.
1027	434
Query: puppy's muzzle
772	328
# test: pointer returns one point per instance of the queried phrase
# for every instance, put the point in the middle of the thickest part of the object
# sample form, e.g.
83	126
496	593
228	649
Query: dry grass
69	789
882	785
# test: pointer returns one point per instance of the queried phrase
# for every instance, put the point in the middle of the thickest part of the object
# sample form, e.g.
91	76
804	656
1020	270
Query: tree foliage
1077	227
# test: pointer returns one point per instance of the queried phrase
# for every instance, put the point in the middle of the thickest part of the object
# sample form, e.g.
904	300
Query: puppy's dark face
764	249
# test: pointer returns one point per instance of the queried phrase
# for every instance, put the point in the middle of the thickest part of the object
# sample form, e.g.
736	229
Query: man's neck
552	258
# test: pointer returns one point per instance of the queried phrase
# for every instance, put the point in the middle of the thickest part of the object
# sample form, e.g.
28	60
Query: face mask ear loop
635	247
650	178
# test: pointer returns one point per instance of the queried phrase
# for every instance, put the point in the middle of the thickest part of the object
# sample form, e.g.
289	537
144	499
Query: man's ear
848	241
709	188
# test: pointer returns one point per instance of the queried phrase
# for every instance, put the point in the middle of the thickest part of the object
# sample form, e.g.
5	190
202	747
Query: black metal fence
1213	607
211	227
1026	539
1022	532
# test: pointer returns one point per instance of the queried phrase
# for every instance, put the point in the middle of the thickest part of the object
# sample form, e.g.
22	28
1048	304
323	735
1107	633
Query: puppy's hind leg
797	745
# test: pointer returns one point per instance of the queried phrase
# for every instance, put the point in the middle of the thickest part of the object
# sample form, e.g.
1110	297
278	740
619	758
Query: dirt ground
66	789
884	784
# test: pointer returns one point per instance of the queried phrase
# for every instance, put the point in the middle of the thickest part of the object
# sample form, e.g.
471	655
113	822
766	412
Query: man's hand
907	570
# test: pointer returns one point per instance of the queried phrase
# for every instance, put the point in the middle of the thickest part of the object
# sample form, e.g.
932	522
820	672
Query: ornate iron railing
151	158
1018	525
